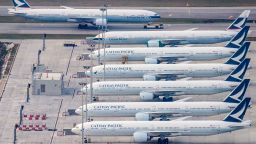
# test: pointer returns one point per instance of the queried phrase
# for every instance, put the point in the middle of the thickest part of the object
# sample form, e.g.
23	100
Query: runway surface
179	12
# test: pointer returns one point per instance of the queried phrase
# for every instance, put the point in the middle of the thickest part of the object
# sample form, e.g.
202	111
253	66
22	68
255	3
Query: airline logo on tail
237	74
236	96
239	38
21	4
240	22
237	114
239	55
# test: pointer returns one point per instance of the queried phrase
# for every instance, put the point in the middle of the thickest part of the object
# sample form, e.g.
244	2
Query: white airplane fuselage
162	88
178	128
130	109
179	70
184	37
176	53
77	15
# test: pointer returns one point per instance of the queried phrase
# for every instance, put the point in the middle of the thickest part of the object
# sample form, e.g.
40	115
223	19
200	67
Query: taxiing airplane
173	38
146	131
150	90
82	16
145	111
173	54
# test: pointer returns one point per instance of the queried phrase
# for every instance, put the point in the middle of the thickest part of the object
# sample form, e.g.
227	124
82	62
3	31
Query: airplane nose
78	111
155	16
75	131
87	73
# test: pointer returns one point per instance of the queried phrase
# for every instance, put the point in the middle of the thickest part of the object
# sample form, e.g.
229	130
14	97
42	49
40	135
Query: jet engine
146	96
142	117
155	43
151	61
100	22
149	78
140	137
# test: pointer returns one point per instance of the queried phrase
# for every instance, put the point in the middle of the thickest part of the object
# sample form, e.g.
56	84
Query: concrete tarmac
63	59
70	28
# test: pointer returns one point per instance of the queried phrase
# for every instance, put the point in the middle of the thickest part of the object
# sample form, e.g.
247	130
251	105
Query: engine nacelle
149	78
140	137
146	96
100	22
155	43
142	117
151	61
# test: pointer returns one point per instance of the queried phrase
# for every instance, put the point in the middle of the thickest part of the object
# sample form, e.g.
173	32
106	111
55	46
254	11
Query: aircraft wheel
159	141
82	26
166	141
165	99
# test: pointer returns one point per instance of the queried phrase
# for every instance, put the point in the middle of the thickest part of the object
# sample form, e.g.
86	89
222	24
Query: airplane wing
167	92
167	76
185	62
165	133
164	114
82	20
174	42
182	118
186	78
66	7
184	99
191	29
167	59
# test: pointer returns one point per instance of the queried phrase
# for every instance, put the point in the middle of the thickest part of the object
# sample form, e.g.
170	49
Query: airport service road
179	12
68	28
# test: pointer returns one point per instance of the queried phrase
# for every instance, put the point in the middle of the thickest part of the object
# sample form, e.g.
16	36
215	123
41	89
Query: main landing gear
167	99
82	26
163	141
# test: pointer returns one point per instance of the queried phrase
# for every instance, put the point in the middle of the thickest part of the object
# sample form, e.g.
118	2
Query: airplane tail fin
239	38
237	114
239	55
237	74
240	22
237	95
20	4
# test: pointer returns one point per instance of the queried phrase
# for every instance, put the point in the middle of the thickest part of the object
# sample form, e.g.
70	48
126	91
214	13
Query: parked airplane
145	111
174	54
163	38
155	72
150	90
82	16
146	131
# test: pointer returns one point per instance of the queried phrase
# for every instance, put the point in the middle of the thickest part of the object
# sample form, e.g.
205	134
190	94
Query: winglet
237	114
239	38
237	74
237	95
239	55
240	22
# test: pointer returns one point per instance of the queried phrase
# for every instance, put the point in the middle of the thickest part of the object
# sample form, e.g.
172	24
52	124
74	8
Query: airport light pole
106	18
99	44
91	79
103	39
83	85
